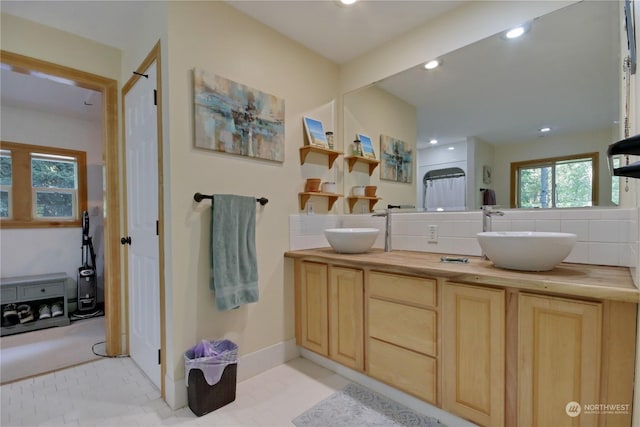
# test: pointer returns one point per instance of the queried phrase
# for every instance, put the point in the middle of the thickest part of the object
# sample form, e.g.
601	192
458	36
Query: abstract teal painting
396	160
233	118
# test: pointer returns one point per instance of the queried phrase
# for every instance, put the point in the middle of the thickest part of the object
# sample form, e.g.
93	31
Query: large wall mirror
487	105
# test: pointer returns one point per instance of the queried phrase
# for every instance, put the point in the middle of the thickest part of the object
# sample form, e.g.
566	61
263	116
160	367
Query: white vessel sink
526	250
351	240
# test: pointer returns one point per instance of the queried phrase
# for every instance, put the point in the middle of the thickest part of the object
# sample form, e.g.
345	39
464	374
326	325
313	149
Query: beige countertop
591	281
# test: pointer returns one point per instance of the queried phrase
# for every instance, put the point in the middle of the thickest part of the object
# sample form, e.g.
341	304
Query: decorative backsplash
605	236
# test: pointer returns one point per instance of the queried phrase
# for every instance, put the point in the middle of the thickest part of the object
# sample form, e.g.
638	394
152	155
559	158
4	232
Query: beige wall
25	37
150	28
375	112
217	38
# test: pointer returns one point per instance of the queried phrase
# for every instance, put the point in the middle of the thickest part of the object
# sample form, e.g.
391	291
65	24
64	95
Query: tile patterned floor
21	354
114	392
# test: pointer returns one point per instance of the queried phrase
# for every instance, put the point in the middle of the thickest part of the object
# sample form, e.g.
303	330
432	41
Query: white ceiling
341	33
461	95
43	94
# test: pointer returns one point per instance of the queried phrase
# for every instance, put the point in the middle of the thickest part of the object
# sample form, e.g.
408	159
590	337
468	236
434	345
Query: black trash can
211	368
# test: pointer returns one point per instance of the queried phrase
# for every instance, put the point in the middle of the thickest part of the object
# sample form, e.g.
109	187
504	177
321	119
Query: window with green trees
5	182
41	186
559	182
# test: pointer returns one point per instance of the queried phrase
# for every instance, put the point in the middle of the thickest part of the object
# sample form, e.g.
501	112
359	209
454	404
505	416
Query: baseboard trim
267	358
249	365
394	394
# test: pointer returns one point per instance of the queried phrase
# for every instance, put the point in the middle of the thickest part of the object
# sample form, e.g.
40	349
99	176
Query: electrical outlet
433	234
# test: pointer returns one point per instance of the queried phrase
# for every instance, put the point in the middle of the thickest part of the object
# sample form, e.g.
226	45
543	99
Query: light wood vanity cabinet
314	307
473	353
402	333
346	317
518	358
495	355
330	306
559	345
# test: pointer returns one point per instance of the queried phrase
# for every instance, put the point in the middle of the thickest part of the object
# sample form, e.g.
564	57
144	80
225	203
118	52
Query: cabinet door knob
126	240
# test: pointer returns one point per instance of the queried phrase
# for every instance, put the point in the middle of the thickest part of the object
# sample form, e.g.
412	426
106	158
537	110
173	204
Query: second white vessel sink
526	250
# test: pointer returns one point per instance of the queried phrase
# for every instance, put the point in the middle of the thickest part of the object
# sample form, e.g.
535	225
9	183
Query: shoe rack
34	291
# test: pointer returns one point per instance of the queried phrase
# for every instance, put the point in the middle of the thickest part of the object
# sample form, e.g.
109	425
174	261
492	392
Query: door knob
126	240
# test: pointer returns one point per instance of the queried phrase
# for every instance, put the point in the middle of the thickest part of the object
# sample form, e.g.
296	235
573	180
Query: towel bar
198	197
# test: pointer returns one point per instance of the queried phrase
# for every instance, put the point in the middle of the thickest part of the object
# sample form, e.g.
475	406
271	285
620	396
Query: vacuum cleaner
87	280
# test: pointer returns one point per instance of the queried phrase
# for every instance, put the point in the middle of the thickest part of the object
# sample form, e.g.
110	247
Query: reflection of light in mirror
439	210
545	129
432	64
433	141
451	148
52	78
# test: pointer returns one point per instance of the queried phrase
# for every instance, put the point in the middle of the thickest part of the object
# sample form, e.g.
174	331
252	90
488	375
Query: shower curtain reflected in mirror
444	190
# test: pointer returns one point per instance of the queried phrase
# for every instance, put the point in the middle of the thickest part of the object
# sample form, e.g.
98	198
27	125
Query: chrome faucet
487	213
387	223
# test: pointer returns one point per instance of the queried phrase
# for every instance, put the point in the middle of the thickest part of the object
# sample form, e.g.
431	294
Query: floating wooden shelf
354	199
373	163
304	197
306	149
626	146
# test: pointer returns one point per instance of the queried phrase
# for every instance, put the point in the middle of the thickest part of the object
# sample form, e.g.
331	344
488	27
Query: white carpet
32	353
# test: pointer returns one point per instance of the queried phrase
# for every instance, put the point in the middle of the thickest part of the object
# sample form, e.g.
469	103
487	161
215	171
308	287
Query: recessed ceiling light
434	63
433	141
517	32
514	33
347	2
544	129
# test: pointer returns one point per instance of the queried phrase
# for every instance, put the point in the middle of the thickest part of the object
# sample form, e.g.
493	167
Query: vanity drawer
8	294
407	370
45	290
410	327
413	290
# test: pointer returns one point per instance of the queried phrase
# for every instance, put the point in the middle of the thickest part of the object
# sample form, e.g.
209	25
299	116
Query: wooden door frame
111	219
152	56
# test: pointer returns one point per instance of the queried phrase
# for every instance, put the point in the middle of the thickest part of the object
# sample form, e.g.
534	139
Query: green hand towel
234	265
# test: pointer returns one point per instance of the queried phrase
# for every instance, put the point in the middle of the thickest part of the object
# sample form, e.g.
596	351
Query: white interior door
141	141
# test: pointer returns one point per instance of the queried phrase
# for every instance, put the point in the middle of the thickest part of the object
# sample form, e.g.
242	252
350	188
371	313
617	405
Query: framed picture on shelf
315	132
366	146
